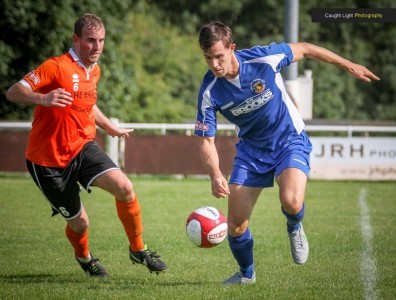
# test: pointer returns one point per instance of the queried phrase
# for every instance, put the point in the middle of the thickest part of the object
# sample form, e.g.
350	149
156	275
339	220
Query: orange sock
131	218
79	241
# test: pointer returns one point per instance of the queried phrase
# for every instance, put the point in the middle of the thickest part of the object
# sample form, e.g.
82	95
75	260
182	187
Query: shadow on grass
66	279
37	278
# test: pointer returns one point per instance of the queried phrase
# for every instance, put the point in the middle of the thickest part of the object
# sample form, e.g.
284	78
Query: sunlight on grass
37	262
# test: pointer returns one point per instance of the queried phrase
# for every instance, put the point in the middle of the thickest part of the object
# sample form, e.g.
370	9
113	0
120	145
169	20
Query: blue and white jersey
255	101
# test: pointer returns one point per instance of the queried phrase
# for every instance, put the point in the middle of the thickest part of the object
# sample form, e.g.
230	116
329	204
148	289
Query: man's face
89	45
219	59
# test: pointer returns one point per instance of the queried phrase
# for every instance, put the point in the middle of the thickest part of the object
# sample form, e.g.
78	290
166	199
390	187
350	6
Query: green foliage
157	75
152	66
337	95
27	28
32	31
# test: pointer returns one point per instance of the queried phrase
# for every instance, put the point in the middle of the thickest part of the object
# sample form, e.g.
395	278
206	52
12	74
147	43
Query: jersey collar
77	60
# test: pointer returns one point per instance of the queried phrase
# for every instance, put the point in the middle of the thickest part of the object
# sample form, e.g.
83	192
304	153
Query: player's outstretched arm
301	50
103	122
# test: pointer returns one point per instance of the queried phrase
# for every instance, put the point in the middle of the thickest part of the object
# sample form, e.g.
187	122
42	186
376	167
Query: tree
152	65
31	31
337	95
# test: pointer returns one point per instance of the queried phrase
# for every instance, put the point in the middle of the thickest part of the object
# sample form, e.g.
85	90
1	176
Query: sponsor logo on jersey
81	109
253	103
33	76
200	126
85	95
257	86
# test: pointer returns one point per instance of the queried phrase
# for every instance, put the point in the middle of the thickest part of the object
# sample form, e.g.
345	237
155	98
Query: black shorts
61	186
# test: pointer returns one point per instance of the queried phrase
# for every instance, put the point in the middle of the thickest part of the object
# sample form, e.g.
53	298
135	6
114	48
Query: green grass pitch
350	227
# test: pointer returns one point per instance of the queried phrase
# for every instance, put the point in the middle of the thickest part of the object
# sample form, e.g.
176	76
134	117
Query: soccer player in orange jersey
62	154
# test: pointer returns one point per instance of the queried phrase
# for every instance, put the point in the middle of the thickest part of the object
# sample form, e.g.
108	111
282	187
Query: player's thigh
117	183
292	184
59	186
241	202
97	169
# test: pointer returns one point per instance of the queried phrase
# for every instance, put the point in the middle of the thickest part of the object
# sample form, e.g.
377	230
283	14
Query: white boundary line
368	263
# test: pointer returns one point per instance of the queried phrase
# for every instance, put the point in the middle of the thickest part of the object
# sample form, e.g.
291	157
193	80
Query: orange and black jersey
59	133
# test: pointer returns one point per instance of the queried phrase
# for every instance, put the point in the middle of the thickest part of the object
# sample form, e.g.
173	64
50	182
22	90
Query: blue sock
242	249
293	221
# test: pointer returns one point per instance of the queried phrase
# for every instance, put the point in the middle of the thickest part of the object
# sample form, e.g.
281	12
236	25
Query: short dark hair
213	32
90	21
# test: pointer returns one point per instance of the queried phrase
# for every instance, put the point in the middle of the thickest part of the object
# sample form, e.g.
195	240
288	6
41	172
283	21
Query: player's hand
362	73
120	132
220	187
59	97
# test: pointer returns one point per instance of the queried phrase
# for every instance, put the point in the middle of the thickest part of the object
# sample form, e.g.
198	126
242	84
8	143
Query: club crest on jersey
200	126
257	86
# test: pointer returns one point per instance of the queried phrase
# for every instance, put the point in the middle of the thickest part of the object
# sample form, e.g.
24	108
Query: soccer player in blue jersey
246	87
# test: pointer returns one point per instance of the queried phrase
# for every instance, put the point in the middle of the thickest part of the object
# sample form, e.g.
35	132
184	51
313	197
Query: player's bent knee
292	202
237	230
126	192
79	225
293	206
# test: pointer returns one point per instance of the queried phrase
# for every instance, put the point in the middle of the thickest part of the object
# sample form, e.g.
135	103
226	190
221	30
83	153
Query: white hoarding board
368	158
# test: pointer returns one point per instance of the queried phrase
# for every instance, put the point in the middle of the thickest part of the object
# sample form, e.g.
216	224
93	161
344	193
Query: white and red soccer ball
206	227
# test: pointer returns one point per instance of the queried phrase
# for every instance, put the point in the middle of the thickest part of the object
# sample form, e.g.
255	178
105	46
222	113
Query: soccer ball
206	227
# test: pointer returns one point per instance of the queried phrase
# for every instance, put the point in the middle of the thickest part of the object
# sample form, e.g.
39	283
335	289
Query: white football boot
299	245
239	279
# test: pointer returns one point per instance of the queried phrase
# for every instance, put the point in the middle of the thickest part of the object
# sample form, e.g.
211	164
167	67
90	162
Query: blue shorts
257	167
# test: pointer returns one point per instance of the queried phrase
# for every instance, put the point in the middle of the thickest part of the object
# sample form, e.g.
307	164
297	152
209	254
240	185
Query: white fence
362	157
164	127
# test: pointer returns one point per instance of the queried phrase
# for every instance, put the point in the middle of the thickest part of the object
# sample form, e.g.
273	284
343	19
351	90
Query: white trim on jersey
206	102
272	60
294	113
